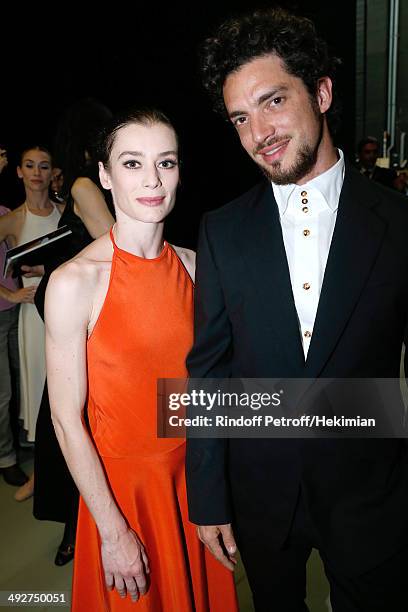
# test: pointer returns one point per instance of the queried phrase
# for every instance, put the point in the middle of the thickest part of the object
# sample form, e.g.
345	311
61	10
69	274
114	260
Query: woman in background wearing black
88	216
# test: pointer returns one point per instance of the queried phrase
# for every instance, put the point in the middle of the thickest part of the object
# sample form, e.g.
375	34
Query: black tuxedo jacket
246	326
385	176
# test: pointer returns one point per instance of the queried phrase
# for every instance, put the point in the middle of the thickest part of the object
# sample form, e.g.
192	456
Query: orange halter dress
144	332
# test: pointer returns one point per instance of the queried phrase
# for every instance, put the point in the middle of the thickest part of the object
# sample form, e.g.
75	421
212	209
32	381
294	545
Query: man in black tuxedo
304	276
368	150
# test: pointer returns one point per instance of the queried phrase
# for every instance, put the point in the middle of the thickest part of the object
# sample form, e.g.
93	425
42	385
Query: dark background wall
126	55
372	72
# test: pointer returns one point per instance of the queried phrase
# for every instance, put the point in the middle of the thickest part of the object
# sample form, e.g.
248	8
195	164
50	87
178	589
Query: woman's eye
167	163
132	163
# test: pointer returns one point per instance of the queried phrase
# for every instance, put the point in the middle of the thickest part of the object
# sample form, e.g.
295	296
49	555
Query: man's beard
305	161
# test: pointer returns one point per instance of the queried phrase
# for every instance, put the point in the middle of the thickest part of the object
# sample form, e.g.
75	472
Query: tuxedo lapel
357	238
261	245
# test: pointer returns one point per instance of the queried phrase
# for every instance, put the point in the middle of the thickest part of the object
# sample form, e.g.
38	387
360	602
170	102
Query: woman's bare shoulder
19	211
83	181
11	223
188	258
83	186
14	216
83	271
98	251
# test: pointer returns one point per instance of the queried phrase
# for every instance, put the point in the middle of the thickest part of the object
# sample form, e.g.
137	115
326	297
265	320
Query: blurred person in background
401	182
88	216
37	216
3	158
57	183
368	150
11	295
41	216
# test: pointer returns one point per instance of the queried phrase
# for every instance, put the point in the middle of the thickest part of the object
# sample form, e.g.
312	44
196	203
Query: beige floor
28	548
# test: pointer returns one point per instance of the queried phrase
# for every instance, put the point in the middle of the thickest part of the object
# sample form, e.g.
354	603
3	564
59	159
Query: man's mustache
269	142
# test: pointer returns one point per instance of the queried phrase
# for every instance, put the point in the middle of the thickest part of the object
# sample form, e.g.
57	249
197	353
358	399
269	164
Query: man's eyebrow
266	96
272	93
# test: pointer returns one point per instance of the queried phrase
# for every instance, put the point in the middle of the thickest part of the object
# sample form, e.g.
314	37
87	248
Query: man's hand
125	564
22	296
217	538
30	271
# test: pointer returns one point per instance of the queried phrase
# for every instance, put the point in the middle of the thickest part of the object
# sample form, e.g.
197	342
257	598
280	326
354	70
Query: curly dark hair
268	31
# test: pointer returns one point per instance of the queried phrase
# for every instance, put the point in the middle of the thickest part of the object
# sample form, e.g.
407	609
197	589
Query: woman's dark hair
35	147
143	116
76	140
269	31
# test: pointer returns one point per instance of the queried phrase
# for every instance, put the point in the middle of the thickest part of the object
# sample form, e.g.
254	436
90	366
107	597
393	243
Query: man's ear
324	93
104	176
19	173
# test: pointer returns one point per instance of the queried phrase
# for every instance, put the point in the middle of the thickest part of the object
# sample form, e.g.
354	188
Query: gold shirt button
305	209
304	201
307	334
306	232
306	286
303	193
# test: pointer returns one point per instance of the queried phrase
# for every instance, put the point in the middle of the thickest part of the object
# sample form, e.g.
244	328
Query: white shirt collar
328	184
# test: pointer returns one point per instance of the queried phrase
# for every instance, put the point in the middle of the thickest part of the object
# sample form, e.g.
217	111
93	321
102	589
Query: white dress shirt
308	215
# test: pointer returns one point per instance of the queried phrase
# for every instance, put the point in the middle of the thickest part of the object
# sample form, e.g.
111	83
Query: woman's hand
125	565
69	300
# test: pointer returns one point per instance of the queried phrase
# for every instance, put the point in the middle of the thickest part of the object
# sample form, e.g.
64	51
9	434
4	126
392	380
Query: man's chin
281	175
276	174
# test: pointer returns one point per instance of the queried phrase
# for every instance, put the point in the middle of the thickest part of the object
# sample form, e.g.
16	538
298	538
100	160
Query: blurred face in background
57	179
3	158
369	155
401	182
35	170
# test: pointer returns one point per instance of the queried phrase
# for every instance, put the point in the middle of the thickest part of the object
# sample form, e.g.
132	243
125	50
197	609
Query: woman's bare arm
68	305
10	225
91	207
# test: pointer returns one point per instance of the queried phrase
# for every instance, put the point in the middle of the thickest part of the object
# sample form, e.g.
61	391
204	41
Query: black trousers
56	497
278	579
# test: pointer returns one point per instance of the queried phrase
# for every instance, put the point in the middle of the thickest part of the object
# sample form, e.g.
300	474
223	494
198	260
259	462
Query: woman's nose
151	178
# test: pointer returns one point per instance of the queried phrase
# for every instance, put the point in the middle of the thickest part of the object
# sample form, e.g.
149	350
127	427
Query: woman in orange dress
118	317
